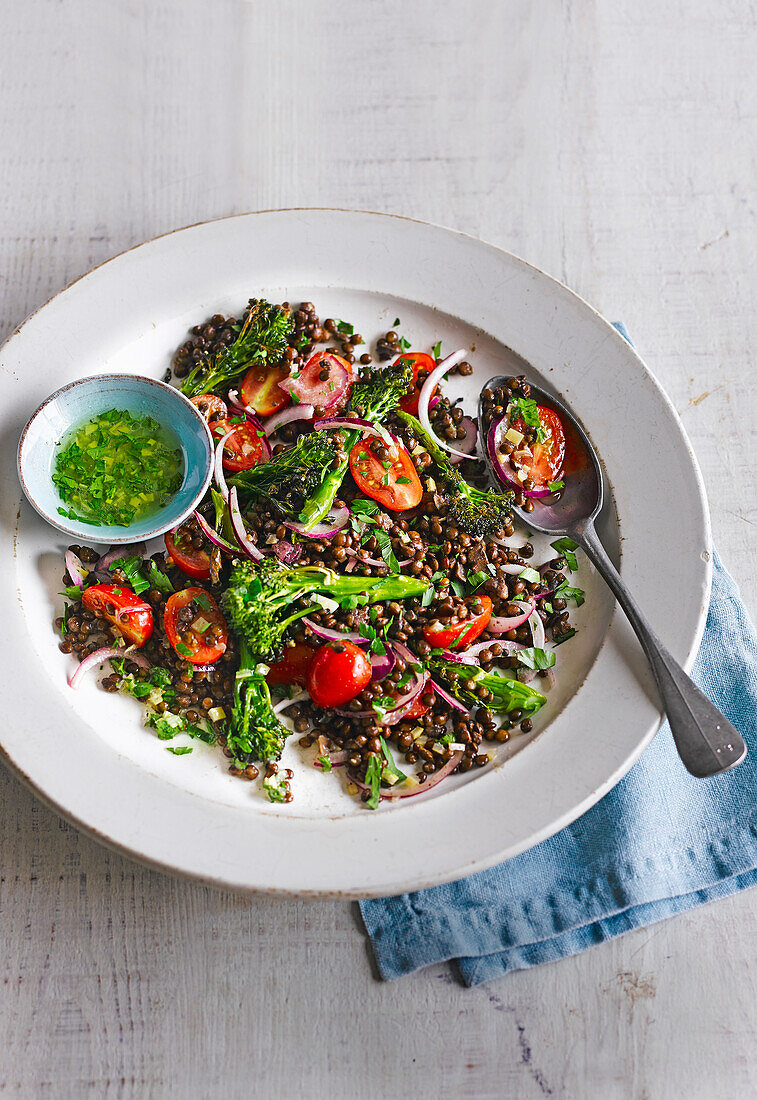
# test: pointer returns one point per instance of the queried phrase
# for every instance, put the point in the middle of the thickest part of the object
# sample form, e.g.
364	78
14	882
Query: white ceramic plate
88	755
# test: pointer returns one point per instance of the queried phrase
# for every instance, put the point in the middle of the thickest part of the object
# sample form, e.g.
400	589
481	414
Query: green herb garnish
566	548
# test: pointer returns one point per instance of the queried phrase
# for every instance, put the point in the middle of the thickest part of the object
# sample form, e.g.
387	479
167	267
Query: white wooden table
612	144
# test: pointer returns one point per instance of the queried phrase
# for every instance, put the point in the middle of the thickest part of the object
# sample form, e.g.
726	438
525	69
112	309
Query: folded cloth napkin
659	843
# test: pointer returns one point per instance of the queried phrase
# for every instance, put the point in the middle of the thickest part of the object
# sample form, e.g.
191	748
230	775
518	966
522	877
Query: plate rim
482	863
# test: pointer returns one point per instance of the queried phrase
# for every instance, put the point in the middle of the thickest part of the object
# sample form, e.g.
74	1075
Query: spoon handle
706	741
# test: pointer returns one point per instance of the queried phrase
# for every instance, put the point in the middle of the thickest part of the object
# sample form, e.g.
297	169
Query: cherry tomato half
421	361
396	487
338	672
200	634
211	407
294	665
261	392
461	634
243	449
548	456
416	709
193	561
122	607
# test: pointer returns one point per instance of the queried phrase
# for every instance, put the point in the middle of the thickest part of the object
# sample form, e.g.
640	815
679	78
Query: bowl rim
78	532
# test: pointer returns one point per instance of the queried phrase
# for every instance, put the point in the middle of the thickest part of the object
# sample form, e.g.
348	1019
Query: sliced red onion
350	566
287	552
326	634
472	652
404	702
76	569
329	393
357	423
334	521
501	469
218	467
373	561
537	629
468	442
132	550
382	664
500	624
101	655
288	416
298	698
514	569
212	535
449	699
246	544
338	759
427	390
435	778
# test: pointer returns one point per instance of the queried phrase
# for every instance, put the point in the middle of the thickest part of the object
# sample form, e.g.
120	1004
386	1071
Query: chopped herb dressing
117	468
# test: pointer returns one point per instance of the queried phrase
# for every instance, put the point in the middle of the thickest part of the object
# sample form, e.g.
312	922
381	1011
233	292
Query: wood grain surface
612	144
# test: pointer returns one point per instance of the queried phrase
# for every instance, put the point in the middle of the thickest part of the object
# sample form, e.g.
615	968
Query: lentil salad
351	542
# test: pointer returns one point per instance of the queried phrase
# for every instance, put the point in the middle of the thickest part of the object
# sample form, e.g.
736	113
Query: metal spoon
706	741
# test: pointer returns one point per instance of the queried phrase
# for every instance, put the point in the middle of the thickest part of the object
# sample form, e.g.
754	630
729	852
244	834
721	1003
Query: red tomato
261	392
338	672
547	463
122	607
211	407
203	639
462	634
417	709
420	361
396	487
243	449
193	562
294	665
330	392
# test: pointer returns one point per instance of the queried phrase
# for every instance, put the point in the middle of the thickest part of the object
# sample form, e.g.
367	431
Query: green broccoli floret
502	694
259	596
254	732
290	477
262	338
479	512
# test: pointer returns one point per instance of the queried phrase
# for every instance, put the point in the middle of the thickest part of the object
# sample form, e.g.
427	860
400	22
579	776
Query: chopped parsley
566	592
528	411
396	322
404	344
436	350
130	567
179	750
535	658
158	579
345	328
564	637
566	547
529	575
373	780
391	767
274	788
555	486
325	762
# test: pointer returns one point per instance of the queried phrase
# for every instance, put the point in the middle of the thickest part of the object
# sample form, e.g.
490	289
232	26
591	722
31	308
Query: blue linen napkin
659	843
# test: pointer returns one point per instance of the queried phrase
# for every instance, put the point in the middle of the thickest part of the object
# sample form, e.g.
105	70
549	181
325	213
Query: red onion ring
432	781
424	397
287	552
132	550
76	569
373	561
218	467
101	655
284	703
359	424
449	699
246	544
338	759
499	624
334	521
212	535
468	443
499	467
288	416
381	663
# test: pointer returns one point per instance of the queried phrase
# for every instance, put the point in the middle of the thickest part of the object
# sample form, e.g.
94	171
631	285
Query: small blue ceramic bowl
79	401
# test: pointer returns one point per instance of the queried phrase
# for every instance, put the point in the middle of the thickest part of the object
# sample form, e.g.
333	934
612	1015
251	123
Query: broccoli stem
506	694
317	507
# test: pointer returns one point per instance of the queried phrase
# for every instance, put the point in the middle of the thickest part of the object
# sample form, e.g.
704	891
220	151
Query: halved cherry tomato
416	709
122	607
191	560
203	638
211	407
548	456
338	672
243	449
463	633
331	392
294	665
395	486
261	392
420	361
